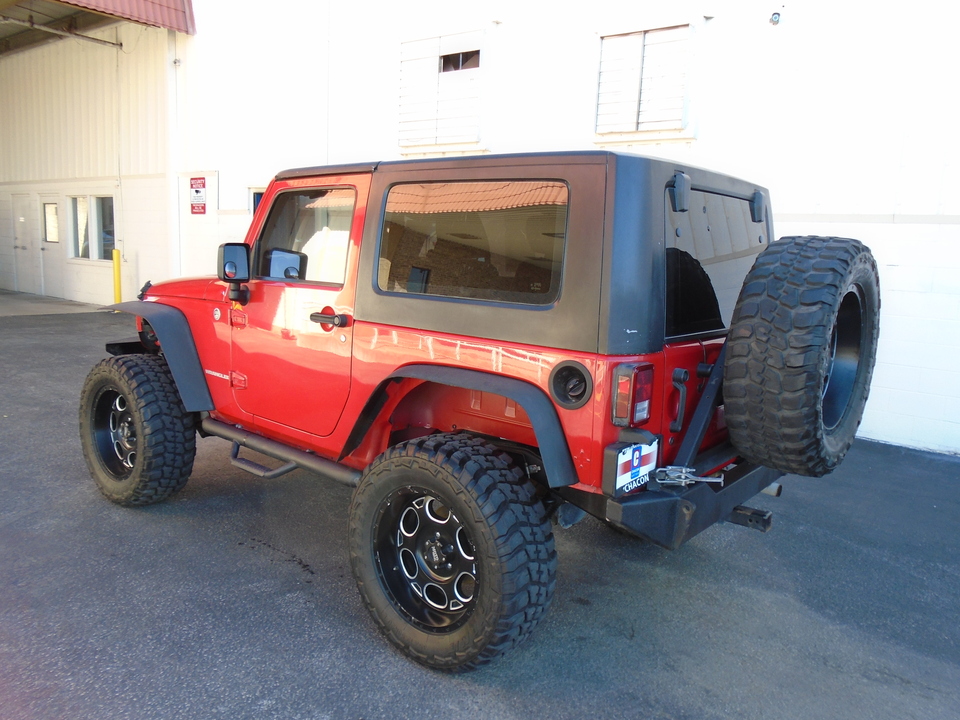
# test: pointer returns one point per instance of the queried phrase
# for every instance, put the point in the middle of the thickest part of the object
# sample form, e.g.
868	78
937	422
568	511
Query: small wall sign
198	196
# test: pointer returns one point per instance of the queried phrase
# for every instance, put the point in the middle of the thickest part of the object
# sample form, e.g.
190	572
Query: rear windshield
492	240
710	248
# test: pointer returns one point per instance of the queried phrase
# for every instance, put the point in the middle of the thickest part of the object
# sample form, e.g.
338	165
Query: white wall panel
915	395
81	110
89	120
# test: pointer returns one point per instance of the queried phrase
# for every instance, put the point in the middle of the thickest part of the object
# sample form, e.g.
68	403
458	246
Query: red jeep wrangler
483	345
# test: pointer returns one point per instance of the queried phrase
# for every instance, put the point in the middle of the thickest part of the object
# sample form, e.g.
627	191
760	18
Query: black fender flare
551	439
176	342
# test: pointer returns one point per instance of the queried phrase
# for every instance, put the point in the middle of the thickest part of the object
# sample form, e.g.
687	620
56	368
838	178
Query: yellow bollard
116	275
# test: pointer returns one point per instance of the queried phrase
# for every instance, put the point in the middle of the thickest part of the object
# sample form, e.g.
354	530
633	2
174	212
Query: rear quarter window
497	240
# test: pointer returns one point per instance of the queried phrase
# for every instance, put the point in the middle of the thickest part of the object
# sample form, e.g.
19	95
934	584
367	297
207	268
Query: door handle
330	319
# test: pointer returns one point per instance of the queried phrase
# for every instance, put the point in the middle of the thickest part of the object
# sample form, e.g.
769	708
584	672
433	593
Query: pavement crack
290	557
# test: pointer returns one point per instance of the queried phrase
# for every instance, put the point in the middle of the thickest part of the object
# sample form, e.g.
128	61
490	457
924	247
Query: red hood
198	288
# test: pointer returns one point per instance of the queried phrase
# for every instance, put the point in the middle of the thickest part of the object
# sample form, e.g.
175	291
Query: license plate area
634	464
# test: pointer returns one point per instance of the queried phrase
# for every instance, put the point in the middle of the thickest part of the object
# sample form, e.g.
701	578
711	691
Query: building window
643	81
492	240
92	226
80	217
460	61
255	197
440	91
105	231
51	223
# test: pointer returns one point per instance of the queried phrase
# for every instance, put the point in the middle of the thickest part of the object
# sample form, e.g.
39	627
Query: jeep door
292	341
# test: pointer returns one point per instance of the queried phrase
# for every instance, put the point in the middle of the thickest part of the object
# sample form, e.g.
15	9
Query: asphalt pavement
235	599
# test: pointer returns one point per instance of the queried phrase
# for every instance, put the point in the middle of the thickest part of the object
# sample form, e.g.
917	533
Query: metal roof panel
170	14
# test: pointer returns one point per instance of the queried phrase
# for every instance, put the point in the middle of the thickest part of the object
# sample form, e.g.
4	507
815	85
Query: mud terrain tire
138	440
452	552
800	353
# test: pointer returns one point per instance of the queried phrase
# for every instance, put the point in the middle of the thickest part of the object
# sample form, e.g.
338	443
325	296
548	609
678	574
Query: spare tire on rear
800	353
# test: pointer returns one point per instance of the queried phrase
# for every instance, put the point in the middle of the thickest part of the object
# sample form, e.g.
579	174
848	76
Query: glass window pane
51	223
105	239
81	244
307	231
709	250
492	240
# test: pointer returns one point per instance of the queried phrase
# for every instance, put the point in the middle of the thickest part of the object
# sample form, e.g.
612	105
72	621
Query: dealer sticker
634	465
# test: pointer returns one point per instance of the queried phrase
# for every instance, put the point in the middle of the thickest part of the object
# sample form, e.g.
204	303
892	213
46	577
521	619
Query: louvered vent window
440	90
643	79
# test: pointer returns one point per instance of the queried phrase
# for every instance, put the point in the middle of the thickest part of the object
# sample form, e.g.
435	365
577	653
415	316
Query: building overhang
27	23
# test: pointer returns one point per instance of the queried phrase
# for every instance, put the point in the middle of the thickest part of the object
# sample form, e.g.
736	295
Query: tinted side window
307	235
490	240
710	249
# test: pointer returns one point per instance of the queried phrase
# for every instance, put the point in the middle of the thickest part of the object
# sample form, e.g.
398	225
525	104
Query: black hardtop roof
546	158
704	178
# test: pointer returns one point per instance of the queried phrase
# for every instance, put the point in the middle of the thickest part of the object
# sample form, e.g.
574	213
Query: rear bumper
670	517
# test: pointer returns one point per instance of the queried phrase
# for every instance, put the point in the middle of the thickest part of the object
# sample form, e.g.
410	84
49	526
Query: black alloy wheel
425	559
451	549
115	432
137	438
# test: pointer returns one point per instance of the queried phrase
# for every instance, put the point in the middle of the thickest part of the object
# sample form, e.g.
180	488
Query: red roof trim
170	14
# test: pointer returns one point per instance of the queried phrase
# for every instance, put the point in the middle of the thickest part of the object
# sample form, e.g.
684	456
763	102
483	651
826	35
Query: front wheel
138	440
451	550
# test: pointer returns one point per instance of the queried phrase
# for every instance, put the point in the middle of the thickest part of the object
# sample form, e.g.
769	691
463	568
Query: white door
53	245
26	246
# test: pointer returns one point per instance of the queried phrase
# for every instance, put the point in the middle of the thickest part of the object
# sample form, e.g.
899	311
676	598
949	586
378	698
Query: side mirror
233	267
233	263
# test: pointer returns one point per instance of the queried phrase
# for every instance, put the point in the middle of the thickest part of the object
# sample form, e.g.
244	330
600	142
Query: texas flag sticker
634	464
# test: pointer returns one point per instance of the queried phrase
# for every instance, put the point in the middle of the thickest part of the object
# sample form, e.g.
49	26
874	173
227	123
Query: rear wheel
800	353
138	440
451	549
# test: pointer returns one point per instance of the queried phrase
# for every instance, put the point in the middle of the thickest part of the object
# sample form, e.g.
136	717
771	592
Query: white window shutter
419	85
621	59
643	81
664	79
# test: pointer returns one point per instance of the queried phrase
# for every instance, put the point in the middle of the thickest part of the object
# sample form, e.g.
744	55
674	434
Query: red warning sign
198	196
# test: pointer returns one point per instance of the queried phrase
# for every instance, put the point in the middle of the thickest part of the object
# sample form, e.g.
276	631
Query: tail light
632	393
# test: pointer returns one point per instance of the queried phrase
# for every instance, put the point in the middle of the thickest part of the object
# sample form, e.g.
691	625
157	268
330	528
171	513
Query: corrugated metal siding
643	81
76	104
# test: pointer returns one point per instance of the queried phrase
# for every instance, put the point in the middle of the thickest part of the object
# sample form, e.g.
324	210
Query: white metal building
840	108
